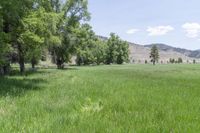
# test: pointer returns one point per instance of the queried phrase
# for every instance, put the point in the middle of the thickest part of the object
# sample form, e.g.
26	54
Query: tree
13	13
194	61
39	28
123	52
180	60
100	51
4	54
4	48
118	50
85	45
74	11
154	54
172	60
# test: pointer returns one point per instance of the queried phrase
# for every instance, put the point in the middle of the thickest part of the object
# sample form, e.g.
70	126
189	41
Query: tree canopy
30	27
154	54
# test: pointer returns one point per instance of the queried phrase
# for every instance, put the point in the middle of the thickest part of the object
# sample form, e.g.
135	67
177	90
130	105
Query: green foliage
39	29
30	27
180	60
73	12
172	60
194	61
118	50
89	49
154	54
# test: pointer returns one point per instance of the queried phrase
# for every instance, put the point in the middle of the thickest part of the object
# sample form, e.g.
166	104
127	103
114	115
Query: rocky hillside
140	53
189	53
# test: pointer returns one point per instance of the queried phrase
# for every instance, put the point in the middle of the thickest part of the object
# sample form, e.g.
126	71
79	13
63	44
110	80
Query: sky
172	22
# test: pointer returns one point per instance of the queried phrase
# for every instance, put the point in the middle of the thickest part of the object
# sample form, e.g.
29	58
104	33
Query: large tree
117	51
154	54
74	11
39	29
85	45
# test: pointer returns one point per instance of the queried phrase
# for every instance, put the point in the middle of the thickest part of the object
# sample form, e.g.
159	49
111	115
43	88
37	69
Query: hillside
189	53
140	53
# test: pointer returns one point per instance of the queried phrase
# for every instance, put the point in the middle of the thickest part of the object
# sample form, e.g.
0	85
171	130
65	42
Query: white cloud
192	29
132	31
159	30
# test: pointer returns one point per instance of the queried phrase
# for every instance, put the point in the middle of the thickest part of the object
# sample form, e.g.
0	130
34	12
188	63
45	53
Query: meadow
127	98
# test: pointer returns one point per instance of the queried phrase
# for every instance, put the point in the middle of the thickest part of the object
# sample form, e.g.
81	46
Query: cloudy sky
174	22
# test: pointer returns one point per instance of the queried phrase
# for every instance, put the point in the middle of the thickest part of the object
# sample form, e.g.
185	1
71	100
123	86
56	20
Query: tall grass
129	98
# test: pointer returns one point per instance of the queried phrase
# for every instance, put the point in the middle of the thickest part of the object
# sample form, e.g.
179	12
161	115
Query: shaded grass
129	98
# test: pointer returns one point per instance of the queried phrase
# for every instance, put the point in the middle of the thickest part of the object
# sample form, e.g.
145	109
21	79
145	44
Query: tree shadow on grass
28	72
17	84
14	87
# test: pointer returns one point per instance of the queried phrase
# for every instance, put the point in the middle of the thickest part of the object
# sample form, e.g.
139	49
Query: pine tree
154	55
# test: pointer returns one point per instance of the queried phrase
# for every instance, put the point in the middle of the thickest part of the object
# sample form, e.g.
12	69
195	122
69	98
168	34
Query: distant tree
194	61
118	50
123	52
188	61
146	62
89	49
154	55
172	61
100	51
180	60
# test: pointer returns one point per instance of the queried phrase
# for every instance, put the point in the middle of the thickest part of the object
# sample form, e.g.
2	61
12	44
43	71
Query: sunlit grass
128	98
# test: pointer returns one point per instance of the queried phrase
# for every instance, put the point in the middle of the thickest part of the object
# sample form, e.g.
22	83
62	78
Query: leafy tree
4	54
117	51
154	54
39	28
180	60
85	45
194	61
123	52
74	11
89	49
13	13
100	51
172	60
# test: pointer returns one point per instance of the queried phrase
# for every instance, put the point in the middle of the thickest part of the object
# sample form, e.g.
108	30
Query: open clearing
128	98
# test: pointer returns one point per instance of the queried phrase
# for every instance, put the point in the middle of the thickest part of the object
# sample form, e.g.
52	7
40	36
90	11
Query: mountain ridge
140	53
165	47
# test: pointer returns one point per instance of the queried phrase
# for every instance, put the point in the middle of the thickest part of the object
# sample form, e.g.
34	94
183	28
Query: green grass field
128	98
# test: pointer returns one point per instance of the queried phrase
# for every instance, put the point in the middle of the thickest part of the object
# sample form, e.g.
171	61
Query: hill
139	53
189	53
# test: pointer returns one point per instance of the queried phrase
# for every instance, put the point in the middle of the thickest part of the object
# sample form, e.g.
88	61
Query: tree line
154	56
29	28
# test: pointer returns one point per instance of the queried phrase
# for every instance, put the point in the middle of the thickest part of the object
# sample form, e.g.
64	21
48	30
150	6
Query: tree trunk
1	71
33	65
5	69
60	64
21	65
154	63
21	59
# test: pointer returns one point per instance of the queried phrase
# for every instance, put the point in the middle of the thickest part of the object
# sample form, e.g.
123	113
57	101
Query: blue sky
173	22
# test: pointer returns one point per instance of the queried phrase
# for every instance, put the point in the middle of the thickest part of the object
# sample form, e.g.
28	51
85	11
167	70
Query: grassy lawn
129	98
